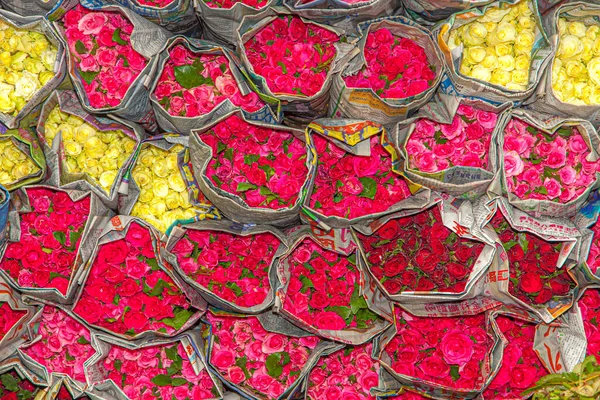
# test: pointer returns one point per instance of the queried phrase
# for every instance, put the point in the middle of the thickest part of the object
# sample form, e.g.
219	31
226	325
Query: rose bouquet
452	353
428	12
163	193
349	373
258	363
199	83
231	269
396	71
97	151
589	304
176	16
8	318
23	162
128	290
495	52
421	253
162	371
32	63
14	387
323	293
353	187
62	345
593	258
521	368
253	172
46	255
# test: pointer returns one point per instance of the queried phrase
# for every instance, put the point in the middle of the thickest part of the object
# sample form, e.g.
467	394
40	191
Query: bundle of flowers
449	352
13	387
233	267
259	363
17	164
162	371
395	67
349	373
102	55
589	304
8	318
593	259
45	255
535	278
127	290
62	346
323	293
521	368
225	4
419	253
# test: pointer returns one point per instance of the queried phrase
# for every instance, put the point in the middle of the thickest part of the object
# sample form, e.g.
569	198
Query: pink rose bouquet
395	67
193	83
157	372
63	345
13	387
8	318
127	291
324	293
593	259
419	253
349	373
452	352
259	363
538	165
234	268
292	57
253	168
521	368
225	4
45	255
102	55
351	186
589	305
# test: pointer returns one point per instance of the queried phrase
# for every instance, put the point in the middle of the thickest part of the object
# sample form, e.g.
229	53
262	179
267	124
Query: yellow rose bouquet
32	63
82	147
164	196
496	52
23	161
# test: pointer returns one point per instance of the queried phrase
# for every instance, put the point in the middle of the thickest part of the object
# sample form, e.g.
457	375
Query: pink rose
450	131
568	175
556	158
457	348
92	23
177	105
487	119
236	375
223	358
577	144
553	187
435	367
329	320
89	63
513	165
226	85
273	343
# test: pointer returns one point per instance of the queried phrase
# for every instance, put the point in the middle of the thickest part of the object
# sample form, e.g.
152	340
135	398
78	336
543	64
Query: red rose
527	266
114	275
138	236
129	287
531	283
425	284
101	291
256	176
88	309
425	260
439	231
457	271
394	267
544	296
393	286
135	320
389	231
516	253
408	278
41	278
319	300
115	252
10	396
463	253
523	376
558	288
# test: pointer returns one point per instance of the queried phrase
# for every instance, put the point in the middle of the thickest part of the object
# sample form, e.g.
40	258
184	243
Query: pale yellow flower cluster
576	68
15	164
87	150
26	64
498	46
163	192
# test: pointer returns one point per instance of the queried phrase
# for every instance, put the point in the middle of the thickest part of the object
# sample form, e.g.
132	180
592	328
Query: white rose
26	85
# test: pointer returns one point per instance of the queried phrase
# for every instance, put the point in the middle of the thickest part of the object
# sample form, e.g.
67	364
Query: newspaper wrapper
458	181
52	10
178	17
392	382
40	25
102	387
131	191
428	12
271	323
457	216
546	100
113	229
353	137
302	108
341	242
58	174
454	83
26	141
148	40
341	14
19	205
551	230
4	207
22	331
221	24
550	125
232	206
184	125
236	229
360	102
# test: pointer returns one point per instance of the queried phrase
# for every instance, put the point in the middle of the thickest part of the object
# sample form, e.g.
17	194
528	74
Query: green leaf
251	158
236	289
178	381
88	76
223	67
318	48
369	188
454	372
338	197
116	37
10	382
244	186
24	395
118	364
116	299
229	154
181	317
241	362
344	312
60	237
221	146
523	242
153	263
80	47
217	181
171	353
357	302
189	77
157	290
73	238
82	340
318	205
162	380
282	65
69	357
274	369
306	283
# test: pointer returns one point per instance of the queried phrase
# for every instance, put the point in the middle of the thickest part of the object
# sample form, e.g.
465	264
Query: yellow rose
523	62
477	30
142	178
5	58
586	94
524	8
526	23
45	77
146	196
525	40
594	70
27	85
475	54
107	179
576	28
160	168
94	147
505	32
575	69
515	87
503	49
66	132
481	73
519	77
471	40
72	148
109	164
500	77
567	91
7	104
588	49
72	120
569	46
172	201
83	132
506	63
579	87
465	69
158	208
595	96
490	62
160	188
22	170
176	182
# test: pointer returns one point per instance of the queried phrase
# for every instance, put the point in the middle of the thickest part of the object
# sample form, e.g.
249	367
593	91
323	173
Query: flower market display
284	200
